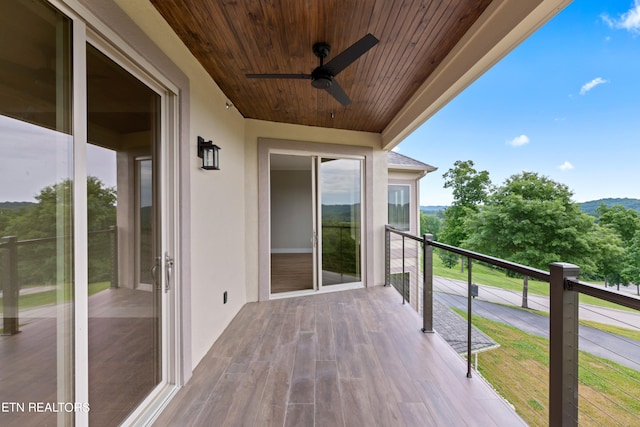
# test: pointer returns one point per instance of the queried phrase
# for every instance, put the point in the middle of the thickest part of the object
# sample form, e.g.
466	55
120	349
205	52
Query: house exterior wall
412	249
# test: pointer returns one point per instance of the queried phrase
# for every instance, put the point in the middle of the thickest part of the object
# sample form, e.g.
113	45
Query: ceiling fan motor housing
321	78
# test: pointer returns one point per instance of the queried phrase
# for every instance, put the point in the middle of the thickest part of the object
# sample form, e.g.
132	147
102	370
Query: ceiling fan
322	77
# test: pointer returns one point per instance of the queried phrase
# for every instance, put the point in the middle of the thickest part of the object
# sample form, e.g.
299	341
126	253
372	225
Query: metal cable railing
573	370
31	263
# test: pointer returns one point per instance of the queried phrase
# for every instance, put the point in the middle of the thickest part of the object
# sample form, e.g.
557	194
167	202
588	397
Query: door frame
266	146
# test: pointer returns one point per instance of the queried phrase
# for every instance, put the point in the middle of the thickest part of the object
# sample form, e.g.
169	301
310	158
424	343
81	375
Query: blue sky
565	104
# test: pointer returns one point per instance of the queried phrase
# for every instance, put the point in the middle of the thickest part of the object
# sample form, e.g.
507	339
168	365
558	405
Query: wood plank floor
291	272
352	358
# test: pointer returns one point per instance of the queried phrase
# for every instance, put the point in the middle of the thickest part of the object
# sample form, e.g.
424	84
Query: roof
400	161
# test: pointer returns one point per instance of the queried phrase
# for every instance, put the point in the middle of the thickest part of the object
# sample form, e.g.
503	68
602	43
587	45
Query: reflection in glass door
340	204
145	225
125	306
36	204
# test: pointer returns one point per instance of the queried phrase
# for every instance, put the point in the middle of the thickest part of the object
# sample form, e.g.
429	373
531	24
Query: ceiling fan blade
350	54
279	76
338	93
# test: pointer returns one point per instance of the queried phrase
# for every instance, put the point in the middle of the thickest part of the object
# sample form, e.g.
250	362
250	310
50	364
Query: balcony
346	358
370	357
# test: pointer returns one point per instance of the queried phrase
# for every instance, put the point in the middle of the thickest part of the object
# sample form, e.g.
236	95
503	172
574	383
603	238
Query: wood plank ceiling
232	38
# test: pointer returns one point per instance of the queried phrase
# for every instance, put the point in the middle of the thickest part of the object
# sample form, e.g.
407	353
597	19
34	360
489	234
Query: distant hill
591	206
340	213
13	206
432	209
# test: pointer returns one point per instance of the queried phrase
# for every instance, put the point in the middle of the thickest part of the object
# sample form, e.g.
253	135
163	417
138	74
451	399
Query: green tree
6	216
532	220
431	224
625	222
470	189
609	255
101	214
50	218
631	272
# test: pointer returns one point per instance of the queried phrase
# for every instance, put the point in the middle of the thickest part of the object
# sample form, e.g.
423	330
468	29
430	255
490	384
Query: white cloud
566	166
590	85
630	20
519	141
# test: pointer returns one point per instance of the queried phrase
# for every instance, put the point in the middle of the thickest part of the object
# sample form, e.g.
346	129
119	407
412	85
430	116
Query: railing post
341	259
469	315
403	273
387	257
427	283
563	346
113	251
10	287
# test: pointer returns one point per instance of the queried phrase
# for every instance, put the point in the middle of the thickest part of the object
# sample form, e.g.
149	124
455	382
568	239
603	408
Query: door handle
168	265
154	270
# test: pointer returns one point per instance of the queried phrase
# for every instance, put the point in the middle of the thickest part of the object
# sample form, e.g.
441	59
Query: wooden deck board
348	358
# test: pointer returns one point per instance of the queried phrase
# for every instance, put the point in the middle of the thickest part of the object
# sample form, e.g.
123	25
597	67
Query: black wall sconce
209	153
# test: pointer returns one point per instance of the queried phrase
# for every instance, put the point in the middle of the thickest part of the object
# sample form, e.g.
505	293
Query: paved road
621	350
609	316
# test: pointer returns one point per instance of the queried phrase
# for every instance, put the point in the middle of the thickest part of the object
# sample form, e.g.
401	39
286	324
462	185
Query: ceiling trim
502	27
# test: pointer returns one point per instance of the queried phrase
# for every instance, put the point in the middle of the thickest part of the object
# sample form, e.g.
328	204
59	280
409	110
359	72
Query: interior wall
291	211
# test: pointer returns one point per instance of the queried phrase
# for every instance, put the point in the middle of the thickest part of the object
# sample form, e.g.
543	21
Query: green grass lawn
519	371
495	277
49	297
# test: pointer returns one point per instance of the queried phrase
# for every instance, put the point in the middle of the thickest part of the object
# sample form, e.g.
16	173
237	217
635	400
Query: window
399	207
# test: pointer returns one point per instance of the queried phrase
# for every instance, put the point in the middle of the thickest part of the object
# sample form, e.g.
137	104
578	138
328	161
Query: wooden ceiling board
231	38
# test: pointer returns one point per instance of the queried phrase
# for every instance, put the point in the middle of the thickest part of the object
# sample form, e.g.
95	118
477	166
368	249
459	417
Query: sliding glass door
340	222
84	240
125	312
316	224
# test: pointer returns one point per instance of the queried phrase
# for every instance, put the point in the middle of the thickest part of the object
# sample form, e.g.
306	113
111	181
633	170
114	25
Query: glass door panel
36	205
340	195
292	219
125	293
